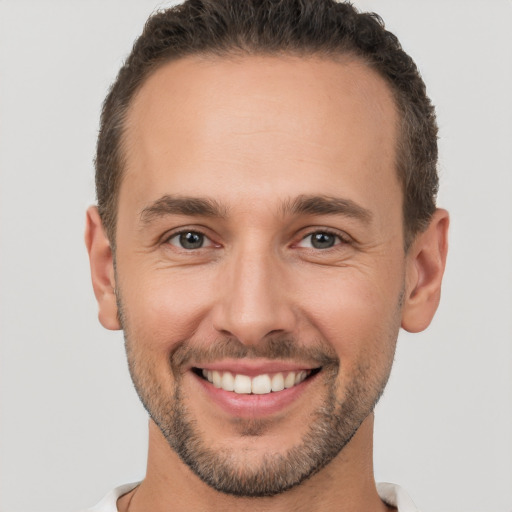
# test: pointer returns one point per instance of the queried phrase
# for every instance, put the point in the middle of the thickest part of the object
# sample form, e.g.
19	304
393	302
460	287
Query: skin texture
256	137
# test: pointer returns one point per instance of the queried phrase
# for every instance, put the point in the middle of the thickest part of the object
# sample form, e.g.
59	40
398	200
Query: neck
346	483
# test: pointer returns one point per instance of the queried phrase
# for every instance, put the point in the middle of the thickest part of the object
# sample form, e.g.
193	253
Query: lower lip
251	406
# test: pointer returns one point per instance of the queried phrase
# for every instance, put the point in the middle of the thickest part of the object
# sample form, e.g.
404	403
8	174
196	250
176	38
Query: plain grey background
71	425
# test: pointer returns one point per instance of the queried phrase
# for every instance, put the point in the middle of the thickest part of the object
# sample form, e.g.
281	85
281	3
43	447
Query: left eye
320	240
190	240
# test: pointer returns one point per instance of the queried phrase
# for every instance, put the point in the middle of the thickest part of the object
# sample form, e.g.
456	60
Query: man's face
260	246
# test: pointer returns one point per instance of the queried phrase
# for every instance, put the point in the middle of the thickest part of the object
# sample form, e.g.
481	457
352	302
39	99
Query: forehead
255	124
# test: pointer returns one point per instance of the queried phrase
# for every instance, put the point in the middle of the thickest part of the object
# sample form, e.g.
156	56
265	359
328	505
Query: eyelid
166	239
343	238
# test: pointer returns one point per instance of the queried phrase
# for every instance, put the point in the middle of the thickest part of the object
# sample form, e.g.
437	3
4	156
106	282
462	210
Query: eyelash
340	239
205	237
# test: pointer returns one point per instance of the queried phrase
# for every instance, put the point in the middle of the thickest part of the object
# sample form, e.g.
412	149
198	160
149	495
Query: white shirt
392	494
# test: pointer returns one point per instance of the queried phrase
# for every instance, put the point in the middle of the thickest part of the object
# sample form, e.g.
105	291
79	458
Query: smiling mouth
262	384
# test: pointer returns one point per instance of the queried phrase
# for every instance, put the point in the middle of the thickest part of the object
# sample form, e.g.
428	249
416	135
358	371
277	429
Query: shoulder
392	494
108	503
395	496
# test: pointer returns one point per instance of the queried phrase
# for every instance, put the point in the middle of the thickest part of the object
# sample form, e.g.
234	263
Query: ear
426	261
102	269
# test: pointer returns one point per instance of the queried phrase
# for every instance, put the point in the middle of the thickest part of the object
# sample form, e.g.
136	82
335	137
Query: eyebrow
182	205
327	205
207	207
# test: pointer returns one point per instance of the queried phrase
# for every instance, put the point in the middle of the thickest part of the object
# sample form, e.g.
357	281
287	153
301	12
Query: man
266	222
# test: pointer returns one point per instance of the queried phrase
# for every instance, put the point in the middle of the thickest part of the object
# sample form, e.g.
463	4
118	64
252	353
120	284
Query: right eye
190	240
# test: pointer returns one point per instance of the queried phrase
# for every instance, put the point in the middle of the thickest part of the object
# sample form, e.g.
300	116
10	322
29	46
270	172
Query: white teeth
299	377
228	382
259	385
242	384
278	382
290	380
217	379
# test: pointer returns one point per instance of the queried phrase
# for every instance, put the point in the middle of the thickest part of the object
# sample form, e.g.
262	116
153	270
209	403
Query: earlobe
102	270
426	261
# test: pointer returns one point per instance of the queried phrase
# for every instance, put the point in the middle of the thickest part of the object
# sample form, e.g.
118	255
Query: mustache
317	353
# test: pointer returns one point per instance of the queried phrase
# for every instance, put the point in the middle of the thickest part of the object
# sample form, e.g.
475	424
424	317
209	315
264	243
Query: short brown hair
277	27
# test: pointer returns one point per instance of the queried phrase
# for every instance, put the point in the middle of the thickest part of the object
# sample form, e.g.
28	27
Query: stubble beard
332	424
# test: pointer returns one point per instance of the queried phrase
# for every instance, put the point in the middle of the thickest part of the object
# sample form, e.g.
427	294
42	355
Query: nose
254	300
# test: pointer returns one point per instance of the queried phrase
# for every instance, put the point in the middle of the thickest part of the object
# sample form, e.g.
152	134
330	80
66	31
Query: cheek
361	324
357	314
163	309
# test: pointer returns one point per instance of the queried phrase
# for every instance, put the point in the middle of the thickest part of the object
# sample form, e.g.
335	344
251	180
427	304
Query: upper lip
254	367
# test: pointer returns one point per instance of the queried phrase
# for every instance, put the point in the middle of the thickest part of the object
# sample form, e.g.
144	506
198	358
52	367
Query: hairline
341	56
